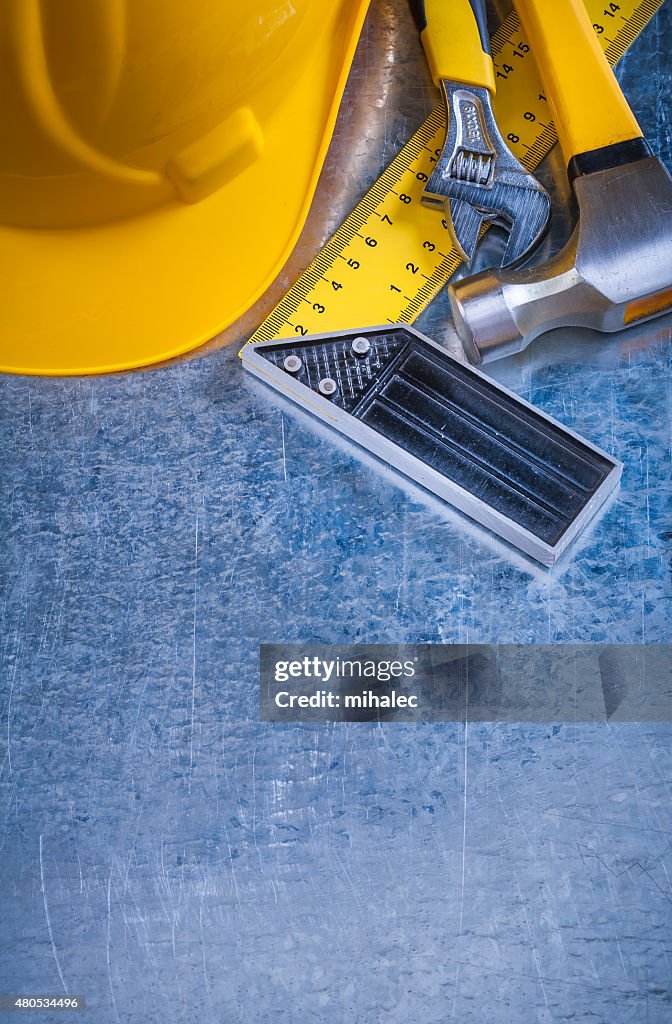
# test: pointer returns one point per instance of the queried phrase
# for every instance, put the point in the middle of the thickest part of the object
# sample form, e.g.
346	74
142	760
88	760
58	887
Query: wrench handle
589	110
455	37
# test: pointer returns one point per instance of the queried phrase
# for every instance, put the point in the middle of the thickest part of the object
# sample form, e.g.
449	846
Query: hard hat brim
142	290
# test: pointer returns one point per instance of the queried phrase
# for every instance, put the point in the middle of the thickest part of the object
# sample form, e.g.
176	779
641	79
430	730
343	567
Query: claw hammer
616	269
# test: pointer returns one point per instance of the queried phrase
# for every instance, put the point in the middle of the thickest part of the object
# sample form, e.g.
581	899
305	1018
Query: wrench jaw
478	180
529	214
464	225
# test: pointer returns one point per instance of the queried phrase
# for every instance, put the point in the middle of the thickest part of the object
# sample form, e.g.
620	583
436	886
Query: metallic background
172	859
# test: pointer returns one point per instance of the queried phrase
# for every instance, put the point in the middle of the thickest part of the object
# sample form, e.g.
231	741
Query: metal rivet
327	387
292	364
361	347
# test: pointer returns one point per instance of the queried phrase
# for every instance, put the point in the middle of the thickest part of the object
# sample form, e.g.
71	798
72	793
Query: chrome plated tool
616	269
476	179
448	427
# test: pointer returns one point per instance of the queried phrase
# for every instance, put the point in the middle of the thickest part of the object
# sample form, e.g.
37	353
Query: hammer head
616	269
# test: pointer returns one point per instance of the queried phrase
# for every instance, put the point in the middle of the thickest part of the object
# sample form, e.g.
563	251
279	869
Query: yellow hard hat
157	161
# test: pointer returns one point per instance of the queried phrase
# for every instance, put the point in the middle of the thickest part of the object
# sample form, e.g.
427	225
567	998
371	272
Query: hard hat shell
157	162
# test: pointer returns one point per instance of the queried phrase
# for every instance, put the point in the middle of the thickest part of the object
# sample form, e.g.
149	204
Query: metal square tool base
449	427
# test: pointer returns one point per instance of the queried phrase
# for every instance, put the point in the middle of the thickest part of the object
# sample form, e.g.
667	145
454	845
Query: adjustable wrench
476	179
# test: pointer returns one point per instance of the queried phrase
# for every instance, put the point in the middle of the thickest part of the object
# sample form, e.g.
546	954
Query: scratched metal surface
168	857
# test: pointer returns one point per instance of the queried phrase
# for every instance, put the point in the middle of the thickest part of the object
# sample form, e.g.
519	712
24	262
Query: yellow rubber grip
453	46
589	109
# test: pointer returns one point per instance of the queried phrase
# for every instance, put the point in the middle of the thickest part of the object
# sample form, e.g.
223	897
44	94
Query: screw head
292	364
361	347
327	387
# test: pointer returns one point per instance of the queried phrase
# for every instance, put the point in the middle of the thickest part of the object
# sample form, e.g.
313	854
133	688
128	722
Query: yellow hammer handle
589	109
454	34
